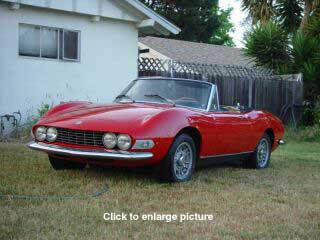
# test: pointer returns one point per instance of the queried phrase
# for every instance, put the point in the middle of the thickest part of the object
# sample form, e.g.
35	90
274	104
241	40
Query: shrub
268	46
307	134
309	130
311	113
316	112
271	46
44	108
22	132
305	52
307	118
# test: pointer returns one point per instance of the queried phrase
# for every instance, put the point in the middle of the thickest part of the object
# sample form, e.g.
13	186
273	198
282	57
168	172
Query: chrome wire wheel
263	152
182	163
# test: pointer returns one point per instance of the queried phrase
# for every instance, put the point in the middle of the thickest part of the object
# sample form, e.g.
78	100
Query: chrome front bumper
89	153
281	142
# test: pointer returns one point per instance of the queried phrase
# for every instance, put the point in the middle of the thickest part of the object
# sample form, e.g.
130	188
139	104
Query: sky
237	18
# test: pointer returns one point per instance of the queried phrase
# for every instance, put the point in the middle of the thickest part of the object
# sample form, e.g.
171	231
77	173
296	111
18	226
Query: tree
309	7
292	14
267	45
259	10
288	51
222	35
305	51
289	43
313	28
289	14
200	21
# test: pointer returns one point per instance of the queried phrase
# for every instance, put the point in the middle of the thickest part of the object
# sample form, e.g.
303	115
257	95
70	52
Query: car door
230	130
233	131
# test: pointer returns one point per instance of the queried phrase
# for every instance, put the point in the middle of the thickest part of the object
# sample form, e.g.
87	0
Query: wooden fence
252	87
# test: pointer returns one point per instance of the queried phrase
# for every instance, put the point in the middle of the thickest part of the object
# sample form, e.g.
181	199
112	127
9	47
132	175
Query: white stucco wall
108	61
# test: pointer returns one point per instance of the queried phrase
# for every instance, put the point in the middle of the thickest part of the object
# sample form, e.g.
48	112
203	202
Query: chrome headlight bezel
52	134
124	142
112	138
40	133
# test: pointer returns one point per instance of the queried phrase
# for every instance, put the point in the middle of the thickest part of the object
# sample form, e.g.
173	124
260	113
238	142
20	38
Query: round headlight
109	140
52	134
40	133
124	142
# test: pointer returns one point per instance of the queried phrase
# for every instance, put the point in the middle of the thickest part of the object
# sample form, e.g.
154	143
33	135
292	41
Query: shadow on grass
150	174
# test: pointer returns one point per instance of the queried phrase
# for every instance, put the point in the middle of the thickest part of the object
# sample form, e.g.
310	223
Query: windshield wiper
160	97
124	96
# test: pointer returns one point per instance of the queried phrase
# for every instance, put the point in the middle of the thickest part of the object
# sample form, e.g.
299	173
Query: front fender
164	127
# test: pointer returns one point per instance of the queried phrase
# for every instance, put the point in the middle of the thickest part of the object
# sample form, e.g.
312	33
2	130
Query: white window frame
60	55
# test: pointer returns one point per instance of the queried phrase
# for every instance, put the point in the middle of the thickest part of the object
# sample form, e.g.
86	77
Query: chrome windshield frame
209	102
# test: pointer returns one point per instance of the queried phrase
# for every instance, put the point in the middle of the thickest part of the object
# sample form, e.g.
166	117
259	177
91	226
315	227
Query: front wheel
60	164
261	155
179	163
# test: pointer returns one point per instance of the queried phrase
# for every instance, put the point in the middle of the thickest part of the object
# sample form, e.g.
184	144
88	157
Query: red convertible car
174	124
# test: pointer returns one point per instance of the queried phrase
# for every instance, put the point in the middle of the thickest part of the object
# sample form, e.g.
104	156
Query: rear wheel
261	155
179	163
60	164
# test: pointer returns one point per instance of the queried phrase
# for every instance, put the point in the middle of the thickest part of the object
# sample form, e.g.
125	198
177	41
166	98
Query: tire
261	156
178	165
60	164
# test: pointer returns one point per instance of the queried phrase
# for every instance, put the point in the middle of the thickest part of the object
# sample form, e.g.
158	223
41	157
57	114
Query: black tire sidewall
167	171
257	166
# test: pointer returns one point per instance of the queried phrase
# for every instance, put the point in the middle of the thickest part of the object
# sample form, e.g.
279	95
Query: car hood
116	117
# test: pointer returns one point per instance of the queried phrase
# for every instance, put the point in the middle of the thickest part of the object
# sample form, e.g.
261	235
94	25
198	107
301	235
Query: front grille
77	137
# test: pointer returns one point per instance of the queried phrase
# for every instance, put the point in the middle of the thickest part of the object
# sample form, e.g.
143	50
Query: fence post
250	92
170	63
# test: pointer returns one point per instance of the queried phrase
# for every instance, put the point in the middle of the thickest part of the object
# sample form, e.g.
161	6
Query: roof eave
161	25
149	27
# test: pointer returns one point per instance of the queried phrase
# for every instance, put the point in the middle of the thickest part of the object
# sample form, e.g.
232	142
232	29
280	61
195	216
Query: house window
46	42
29	41
70	45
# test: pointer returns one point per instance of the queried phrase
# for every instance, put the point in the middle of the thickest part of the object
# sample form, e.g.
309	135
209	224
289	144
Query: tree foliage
313	28
259	10
200	21
289	42
305	51
289	14
267	45
222	35
310	6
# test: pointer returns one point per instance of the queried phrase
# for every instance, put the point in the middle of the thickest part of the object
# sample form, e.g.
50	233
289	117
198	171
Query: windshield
178	92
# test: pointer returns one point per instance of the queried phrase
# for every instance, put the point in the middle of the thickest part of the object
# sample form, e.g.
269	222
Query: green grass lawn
281	202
